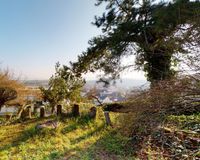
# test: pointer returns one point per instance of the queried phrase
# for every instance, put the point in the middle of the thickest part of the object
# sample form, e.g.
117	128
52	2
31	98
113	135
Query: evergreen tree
153	31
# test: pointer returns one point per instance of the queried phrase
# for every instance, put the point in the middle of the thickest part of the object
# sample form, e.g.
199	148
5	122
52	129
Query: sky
35	34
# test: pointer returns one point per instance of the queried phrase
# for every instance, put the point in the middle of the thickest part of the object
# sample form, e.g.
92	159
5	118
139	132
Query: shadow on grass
53	155
111	145
31	132
78	122
30	121
108	145
88	135
26	134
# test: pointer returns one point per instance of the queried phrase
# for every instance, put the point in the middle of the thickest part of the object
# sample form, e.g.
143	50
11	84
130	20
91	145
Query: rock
185	156
180	147
178	151
48	124
92	113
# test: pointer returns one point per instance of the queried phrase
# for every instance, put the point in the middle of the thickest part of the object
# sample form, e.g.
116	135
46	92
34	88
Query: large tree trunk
158	66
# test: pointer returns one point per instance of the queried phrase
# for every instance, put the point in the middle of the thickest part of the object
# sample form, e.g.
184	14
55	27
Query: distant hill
36	83
120	84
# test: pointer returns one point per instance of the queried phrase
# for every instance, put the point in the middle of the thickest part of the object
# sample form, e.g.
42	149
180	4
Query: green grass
185	122
79	138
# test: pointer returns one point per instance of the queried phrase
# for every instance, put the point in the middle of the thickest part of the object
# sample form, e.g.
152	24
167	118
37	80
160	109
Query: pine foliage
153	31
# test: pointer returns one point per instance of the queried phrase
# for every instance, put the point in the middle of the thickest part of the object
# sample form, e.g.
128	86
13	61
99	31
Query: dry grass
147	114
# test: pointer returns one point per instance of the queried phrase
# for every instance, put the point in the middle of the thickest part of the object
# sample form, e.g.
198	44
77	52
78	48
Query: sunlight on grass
75	138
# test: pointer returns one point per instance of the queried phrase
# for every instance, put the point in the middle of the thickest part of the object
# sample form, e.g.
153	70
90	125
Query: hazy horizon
37	34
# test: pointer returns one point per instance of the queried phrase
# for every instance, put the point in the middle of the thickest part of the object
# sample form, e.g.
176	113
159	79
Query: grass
185	122
79	138
85	139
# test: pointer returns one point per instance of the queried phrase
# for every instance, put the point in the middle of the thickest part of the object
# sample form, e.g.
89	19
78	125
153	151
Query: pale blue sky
35	34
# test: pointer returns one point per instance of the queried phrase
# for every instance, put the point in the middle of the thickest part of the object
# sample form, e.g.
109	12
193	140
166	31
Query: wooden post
29	111
92	113
52	109
42	112
59	110
75	110
107	117
34	110
35	107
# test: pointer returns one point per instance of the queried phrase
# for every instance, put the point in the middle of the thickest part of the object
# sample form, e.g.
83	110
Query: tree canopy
6	95
152	31
64	84
10	88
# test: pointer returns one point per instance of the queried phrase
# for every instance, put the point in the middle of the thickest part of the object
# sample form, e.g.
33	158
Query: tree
10	89
62	85
7	94
55	93
152	31
93	94
73	82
